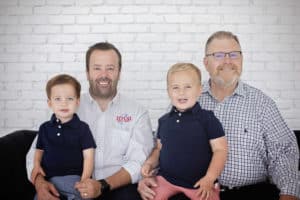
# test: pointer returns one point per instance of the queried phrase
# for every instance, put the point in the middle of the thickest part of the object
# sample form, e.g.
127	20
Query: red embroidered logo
123	118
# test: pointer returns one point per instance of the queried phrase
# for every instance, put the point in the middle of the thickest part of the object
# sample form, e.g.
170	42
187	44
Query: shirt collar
116	99
195	109
73	123
239	90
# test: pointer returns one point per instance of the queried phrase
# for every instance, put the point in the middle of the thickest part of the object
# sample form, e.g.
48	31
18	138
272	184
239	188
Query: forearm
119	179
217	164
88	163
153	159
38	157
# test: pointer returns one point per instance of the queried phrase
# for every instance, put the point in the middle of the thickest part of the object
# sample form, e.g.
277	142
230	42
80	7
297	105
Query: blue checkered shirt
261	145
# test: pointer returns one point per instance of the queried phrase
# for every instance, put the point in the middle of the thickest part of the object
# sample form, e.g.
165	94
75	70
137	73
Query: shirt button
57	120
179	114
59	126
58	134
177	120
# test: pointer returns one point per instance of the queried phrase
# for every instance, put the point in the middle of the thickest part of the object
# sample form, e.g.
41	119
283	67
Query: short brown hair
63	79
182	67
103	46
221	35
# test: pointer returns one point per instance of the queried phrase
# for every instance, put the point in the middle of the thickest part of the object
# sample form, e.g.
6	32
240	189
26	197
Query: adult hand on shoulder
288	197
89	188
45	190
144	188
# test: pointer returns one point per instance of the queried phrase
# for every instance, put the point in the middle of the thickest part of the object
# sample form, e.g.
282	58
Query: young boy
65	145
191	148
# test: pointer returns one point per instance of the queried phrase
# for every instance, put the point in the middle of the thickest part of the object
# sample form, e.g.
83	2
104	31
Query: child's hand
35	171
205	185
147	170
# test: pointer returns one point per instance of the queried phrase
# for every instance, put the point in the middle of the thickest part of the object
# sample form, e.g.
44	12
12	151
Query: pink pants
164	190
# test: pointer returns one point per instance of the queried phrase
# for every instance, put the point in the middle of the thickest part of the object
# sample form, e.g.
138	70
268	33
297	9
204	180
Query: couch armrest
13	150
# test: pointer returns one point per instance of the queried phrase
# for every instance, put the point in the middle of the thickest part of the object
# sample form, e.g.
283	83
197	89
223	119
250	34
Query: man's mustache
103	79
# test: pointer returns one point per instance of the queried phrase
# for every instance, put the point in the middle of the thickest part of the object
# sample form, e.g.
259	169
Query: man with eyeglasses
263	153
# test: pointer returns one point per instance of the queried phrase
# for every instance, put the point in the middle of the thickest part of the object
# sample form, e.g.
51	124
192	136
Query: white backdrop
40	38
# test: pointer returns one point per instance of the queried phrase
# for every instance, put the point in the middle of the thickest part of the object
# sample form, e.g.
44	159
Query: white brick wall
40	38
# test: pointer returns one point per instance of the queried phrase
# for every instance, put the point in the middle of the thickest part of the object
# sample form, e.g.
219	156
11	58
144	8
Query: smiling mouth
182	100
103	82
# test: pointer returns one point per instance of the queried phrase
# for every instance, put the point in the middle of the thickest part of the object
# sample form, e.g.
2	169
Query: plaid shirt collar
239	90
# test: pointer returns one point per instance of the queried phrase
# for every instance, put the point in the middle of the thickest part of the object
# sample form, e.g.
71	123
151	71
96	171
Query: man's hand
287	197
45	190
205	186
144	188
89	188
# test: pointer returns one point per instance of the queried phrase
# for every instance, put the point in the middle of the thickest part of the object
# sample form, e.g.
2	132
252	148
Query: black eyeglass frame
225	53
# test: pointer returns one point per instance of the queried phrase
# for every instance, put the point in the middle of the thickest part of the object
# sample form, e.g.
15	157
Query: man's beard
103	93
226	83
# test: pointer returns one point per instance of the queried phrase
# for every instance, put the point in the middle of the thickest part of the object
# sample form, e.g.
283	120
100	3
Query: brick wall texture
41	38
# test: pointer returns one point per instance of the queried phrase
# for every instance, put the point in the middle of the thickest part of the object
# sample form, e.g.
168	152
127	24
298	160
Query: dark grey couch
13	175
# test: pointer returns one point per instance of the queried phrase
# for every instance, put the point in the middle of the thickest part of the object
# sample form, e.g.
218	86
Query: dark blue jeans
128	192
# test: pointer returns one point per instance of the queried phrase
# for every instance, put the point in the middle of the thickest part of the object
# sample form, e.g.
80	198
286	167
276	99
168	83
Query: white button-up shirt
122	132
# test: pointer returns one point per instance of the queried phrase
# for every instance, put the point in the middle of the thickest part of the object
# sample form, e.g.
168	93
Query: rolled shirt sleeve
140	145
283	152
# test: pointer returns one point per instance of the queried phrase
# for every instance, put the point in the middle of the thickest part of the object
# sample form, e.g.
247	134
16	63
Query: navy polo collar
195	109
73	123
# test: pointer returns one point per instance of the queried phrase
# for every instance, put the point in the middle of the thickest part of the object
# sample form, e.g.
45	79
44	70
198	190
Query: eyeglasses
222	55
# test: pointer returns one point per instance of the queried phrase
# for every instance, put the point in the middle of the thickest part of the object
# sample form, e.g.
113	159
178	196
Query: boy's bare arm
88	163
152	161
154	156
219	149
37	169
38	157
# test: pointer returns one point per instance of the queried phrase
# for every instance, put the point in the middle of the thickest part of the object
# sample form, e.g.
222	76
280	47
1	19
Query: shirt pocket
119	140
247	136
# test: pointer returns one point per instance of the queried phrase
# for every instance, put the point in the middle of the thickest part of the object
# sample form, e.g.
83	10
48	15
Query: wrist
38	181
104	186
149	164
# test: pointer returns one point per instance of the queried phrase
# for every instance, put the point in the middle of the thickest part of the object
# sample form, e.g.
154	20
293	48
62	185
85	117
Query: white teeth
103	83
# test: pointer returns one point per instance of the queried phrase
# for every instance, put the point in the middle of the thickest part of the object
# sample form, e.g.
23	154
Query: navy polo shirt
63	145
186	152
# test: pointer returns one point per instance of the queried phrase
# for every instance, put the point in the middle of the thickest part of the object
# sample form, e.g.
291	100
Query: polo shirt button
57	120
177	120
58	134
179	114
59	126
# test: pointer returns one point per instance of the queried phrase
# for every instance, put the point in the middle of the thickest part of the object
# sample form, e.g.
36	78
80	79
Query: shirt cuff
134	171
291	188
